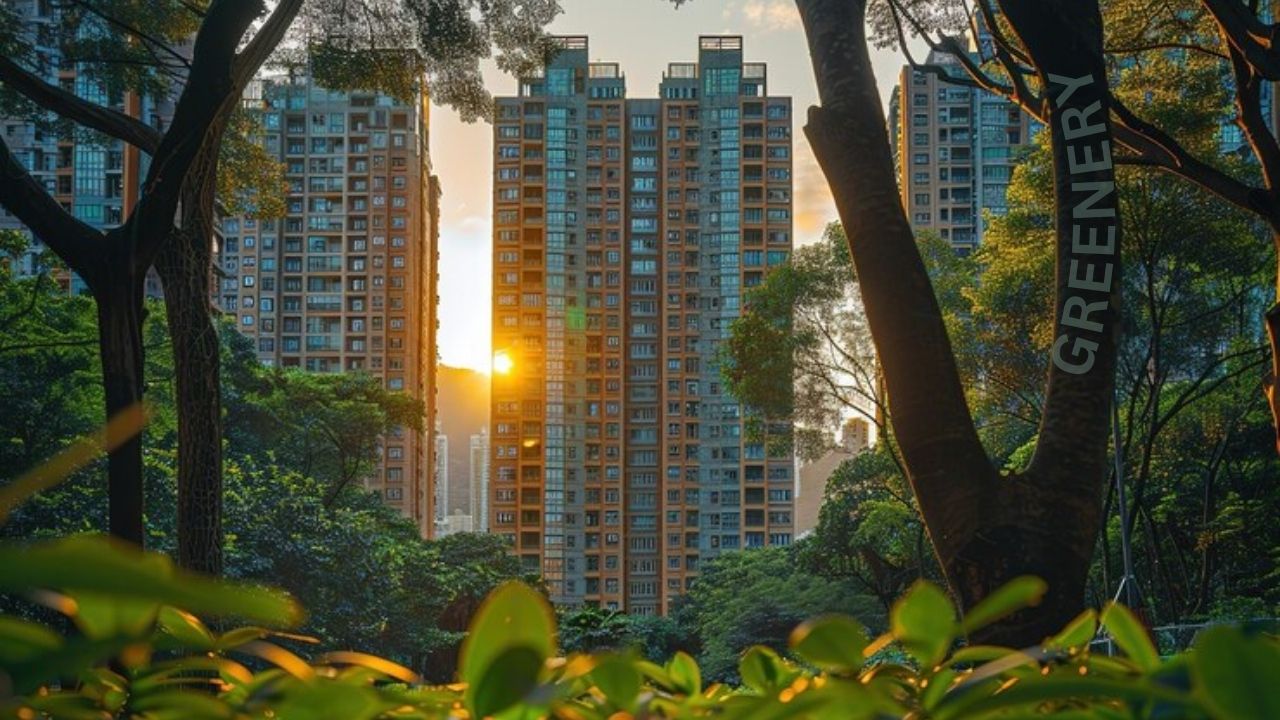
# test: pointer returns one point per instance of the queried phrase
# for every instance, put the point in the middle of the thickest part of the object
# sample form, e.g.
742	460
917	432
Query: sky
642	36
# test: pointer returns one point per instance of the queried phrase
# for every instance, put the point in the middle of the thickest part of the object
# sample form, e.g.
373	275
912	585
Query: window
559	81
721	81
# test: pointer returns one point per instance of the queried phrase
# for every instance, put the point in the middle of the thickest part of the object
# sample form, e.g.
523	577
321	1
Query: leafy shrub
139	650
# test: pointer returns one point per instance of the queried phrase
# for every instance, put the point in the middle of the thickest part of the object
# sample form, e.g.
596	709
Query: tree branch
1148	47
77	243
1160	150
265	40
73	107
149	41
1251	121
1255	40
201	109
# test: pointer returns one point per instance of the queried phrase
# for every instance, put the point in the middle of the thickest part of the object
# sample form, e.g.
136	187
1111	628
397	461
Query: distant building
955	148
463	402
855	438
456	523
856	435
346	281
442	477
479	494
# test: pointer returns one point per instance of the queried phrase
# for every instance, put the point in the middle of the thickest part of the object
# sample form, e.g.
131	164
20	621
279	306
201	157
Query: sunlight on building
502	363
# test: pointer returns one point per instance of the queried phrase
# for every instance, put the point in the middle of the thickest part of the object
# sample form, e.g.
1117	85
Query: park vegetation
173	662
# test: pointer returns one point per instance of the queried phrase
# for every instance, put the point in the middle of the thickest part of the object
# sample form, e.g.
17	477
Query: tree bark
1271	383
184	263
120	316
184	267
985	529
946	465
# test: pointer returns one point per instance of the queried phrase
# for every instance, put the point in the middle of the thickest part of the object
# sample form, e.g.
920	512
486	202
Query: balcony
324	343
324	303
324	263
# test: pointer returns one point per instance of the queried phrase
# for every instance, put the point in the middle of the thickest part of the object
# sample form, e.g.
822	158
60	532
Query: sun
502	363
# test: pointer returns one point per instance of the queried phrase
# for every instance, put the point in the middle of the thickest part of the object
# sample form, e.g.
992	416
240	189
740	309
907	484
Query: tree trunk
1271	383
1069	467
120	315
985	529
185	265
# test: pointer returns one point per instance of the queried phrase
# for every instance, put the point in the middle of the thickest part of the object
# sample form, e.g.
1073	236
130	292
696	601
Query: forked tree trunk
986	529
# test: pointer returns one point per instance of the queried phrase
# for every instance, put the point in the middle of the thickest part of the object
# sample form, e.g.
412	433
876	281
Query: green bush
139	649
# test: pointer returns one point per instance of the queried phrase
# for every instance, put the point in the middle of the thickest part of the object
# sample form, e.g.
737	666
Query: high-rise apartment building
98	181
442	476
479	481
955	149
626	232
346	280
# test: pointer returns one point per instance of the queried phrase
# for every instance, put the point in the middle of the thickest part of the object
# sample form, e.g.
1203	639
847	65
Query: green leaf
936	688
95	564
978	654
1130	636
507	680
515	630
763	670
924	622
181	704
20	640
619	680
1019	593
657	675
1237	673
1077	634
73	657
65	706
1026	698
232	639
685	674
331	700
187	667
831	642
103	616
186	629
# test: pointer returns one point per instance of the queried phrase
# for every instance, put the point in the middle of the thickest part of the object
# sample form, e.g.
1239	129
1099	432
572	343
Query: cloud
814	207
474	223
770	15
